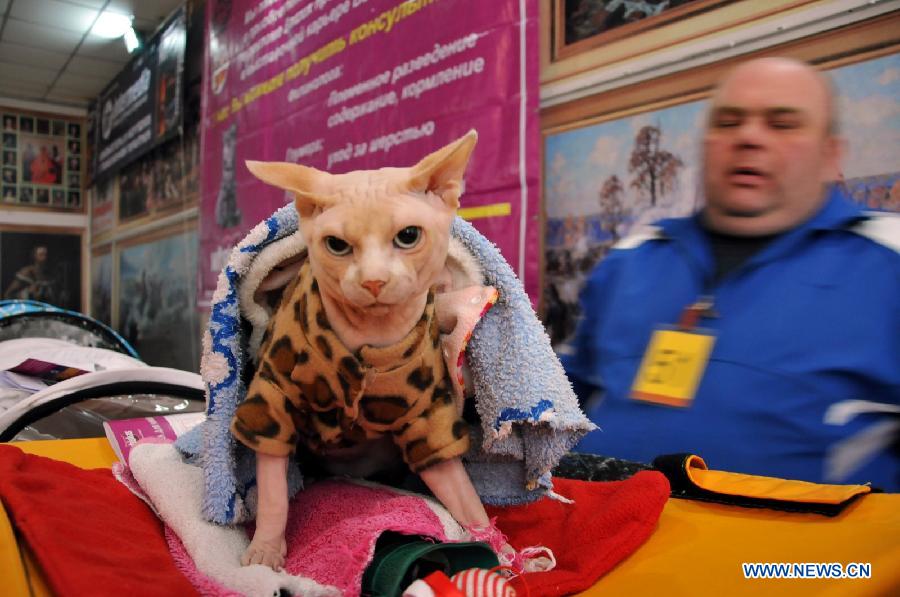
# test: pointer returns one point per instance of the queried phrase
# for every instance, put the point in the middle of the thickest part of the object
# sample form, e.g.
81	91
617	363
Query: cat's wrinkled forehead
438	175
368	184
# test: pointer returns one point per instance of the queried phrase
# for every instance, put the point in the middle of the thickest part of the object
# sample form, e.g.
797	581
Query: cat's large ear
442	171
299	180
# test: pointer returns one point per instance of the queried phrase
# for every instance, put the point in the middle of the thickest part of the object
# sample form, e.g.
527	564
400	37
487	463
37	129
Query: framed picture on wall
157	184
604	180
101	284
580	25
42	164
103	205
41	265
134	183
867	93
156	298
41	159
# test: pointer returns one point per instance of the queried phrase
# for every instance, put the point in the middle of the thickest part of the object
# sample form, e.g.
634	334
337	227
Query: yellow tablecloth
697	548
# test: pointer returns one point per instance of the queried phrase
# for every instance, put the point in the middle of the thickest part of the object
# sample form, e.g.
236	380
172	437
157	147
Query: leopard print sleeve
263	422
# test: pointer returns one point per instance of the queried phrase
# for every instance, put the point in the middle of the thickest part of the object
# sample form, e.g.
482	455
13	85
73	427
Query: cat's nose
373	286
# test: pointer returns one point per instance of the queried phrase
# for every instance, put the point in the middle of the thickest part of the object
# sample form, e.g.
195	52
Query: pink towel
331	533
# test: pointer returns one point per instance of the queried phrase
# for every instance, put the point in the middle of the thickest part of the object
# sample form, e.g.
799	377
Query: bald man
762	333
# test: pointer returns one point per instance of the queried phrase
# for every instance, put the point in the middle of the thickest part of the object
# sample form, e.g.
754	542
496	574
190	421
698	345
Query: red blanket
92	536
89	533
607	522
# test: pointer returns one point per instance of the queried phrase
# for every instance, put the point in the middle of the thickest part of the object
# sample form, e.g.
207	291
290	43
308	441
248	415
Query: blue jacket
809	323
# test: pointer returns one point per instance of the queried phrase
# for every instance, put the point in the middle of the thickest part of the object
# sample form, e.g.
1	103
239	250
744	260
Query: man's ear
835	150
297	179
442	171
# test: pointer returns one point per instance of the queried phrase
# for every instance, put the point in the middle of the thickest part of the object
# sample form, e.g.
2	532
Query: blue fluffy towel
529	414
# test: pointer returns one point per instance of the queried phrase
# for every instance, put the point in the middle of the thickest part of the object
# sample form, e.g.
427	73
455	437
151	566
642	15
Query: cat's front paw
268	552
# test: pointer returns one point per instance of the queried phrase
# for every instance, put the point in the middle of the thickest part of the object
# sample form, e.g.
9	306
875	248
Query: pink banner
359	84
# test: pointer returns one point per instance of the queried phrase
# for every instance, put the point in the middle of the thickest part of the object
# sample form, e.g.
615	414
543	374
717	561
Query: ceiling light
111	25
132	41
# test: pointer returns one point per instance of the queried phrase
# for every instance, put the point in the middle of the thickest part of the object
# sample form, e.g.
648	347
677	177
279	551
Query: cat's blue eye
337	246
408	237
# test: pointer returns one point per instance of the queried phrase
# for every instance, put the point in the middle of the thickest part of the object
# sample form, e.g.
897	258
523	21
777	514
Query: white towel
175	490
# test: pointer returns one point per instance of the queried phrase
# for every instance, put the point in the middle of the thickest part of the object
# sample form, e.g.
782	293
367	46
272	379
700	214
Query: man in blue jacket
762	333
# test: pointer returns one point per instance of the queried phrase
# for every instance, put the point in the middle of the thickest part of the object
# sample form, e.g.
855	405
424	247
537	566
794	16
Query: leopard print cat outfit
310	389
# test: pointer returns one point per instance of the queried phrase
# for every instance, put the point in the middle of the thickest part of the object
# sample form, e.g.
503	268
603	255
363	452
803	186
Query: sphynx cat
377	247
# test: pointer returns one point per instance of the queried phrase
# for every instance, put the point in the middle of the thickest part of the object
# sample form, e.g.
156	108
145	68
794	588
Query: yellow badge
672	367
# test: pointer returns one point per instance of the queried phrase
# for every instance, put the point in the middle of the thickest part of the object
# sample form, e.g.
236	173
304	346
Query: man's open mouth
747	176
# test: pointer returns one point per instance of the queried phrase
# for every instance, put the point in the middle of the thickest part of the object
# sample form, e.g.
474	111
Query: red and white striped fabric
479	582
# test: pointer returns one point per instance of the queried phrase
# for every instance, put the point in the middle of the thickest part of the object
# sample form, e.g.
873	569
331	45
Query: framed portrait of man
42	265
